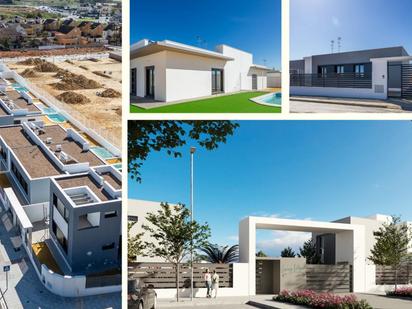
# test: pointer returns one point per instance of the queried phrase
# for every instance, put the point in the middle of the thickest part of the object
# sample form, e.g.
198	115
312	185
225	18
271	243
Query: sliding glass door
217	81
150	86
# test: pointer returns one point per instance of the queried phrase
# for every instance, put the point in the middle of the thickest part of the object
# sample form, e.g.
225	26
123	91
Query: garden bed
312	299
401	292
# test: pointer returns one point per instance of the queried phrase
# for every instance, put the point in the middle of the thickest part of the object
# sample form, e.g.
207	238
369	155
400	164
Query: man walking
215	282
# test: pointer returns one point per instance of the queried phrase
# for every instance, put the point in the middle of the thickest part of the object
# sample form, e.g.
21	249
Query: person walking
215	283
208	282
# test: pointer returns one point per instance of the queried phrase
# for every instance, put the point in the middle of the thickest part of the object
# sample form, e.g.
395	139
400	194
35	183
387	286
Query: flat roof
261	67
111	179
158	46
58	136
32	157
20	102
84	180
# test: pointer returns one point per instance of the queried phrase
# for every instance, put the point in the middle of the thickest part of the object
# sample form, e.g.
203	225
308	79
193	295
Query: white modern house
368	74
168	71
344	246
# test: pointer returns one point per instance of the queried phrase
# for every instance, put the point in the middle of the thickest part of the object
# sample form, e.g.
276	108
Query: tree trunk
396	278
177	281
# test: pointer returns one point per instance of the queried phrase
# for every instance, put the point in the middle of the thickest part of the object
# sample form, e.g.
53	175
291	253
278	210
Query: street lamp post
192	151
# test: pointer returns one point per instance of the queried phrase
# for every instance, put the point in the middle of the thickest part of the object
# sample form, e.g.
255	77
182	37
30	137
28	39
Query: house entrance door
150	86
254	82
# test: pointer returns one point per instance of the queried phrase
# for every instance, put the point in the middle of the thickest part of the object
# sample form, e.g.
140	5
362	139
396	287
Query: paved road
25	289
306	107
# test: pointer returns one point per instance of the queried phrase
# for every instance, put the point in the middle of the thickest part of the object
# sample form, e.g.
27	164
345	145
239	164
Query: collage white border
283	116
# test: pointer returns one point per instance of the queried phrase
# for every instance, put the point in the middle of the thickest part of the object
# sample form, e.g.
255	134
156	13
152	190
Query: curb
350	103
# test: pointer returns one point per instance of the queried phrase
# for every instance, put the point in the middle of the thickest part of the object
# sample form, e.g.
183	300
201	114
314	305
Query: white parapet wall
240	285
72	286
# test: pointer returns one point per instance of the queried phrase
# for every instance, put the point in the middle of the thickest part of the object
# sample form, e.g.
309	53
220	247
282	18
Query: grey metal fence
103	280
329	278
163	275
332	80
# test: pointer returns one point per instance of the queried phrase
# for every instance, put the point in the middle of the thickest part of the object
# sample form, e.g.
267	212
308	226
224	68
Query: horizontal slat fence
329	278
163	275
332	80
407	81
386	274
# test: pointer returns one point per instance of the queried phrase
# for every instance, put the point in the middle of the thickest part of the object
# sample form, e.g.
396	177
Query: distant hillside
47	2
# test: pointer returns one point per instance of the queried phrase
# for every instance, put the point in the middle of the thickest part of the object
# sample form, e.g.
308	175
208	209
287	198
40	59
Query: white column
247	250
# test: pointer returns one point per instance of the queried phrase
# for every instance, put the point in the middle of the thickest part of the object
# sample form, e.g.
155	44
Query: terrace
58	141
21	103
84	181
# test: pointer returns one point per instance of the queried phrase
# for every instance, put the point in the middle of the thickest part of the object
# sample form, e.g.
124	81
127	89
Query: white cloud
335	21
233	238
281	240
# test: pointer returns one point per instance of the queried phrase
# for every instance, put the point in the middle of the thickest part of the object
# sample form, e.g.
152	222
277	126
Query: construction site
86	86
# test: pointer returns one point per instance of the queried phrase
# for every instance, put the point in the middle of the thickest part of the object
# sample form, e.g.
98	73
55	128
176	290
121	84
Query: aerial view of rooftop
205	61
60	155
343	70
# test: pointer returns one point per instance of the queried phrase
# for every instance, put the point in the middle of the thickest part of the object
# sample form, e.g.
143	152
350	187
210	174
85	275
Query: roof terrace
32	157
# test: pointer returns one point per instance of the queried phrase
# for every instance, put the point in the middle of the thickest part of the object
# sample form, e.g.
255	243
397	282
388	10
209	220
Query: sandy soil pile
110	93
53	52
46	67
29	73
31	61
71	97
71	81
101	74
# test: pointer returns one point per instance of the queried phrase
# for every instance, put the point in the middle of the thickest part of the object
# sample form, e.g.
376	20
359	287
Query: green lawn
235	103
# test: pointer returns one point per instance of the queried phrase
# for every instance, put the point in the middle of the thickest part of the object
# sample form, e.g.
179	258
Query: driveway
383	302
24	287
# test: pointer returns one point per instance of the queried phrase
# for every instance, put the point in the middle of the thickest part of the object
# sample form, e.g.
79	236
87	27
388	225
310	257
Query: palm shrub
216	254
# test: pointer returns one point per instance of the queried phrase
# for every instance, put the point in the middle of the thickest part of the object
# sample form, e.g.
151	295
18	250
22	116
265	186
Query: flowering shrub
401	292
321	300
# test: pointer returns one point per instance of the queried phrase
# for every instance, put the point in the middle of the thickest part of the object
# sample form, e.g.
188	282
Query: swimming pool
102	152
118	166
48	110
18	87
57	118
271	99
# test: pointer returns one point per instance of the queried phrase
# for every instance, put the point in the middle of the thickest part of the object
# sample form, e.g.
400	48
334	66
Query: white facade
184	72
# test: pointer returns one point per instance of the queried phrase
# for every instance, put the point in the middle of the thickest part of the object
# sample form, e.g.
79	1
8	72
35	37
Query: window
217	81
108	246
360	68
110	214
133	218
20	178
59	236
340	69
61	208
323	71
3	153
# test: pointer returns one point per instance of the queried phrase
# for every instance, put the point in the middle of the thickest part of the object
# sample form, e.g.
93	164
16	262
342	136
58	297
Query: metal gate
407	81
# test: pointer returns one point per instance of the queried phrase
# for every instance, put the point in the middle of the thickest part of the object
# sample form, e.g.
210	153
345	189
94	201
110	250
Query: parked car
140	295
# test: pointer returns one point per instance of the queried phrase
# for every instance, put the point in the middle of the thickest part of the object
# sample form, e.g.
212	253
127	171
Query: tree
147	136
261	254
308	251
135	245
174	234
288	252
220	254
392	243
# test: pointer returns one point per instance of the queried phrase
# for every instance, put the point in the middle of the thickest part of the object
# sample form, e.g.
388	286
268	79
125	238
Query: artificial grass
235	103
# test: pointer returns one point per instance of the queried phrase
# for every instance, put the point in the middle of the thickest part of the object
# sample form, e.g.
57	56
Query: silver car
140	295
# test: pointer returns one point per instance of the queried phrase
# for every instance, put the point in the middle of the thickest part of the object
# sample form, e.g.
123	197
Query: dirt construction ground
104	111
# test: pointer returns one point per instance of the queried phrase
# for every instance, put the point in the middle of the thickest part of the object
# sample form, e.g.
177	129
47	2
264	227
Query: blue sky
321	170
253	26
362	24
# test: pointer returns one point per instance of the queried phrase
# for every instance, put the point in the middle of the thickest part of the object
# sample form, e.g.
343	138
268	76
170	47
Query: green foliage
288	252
173	231
135	245
220	254
261	254
175	235
147	136
308	251
392	244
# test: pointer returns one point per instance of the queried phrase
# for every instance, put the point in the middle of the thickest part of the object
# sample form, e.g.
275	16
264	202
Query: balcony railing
332	80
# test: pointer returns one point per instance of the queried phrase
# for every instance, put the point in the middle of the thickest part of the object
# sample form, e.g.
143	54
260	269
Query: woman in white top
215	282
208	281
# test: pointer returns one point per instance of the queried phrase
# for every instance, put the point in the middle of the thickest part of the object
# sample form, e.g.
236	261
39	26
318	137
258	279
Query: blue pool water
48	110
57	118
18	87
273	99
118	166
102	152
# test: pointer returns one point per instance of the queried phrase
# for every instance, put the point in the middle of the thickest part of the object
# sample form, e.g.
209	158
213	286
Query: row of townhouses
62	193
